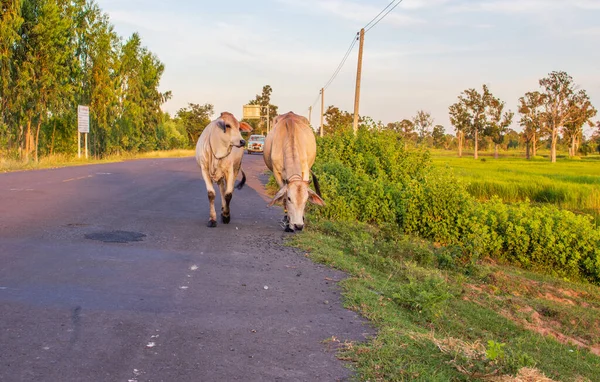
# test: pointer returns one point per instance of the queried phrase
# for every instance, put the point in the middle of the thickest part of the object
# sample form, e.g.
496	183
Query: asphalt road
185	303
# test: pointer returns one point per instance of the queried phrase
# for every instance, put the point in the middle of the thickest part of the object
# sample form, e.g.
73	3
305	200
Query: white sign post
83	126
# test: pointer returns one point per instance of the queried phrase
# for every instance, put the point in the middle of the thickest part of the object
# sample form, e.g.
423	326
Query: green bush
371	178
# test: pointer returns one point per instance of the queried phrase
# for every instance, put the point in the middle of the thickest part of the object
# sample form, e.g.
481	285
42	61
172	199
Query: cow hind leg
240	185
225	200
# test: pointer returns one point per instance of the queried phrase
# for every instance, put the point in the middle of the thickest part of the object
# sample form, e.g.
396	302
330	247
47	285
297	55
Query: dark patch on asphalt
74	225
116	236
75	321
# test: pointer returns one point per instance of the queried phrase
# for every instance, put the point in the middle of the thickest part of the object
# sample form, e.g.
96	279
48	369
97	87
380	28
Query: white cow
289	151
219	154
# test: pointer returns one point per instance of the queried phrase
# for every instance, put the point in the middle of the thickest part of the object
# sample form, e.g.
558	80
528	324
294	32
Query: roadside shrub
546	238
371	178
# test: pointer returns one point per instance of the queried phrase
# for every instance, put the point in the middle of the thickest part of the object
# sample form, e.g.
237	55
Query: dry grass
62	160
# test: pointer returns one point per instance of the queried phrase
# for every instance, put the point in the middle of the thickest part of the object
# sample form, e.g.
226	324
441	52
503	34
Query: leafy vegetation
57	55
371	178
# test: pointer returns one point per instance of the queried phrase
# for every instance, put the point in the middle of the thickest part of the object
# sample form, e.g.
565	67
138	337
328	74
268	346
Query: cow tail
316	183
240	185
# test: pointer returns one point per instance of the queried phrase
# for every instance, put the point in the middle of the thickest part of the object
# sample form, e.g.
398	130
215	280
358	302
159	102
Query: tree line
555	115
558	108
57	54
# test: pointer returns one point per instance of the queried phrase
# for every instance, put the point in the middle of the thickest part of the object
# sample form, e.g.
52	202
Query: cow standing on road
219	154
289	151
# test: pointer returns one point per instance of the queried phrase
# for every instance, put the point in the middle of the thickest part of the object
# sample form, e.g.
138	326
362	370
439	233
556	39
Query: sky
421	56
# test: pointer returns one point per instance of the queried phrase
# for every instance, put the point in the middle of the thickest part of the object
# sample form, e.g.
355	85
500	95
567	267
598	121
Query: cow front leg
286	221
212	220
225	200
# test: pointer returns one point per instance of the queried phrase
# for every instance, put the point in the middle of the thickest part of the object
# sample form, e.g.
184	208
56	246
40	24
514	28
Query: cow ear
221	124
245	127
279	195
315	199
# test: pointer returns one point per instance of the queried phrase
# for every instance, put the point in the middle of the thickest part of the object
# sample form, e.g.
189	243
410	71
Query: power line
341	63
316	100
382	17
383	10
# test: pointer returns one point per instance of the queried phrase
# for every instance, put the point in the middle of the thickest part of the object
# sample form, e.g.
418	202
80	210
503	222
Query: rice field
573	184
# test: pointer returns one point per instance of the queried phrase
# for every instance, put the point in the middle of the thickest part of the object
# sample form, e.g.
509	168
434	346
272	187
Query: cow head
294	196
230	131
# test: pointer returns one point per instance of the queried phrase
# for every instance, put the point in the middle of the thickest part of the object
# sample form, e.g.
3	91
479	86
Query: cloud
522	6
587	4
355	11
590	32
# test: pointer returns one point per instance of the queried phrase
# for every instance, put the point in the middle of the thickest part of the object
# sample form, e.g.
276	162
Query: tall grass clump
371	178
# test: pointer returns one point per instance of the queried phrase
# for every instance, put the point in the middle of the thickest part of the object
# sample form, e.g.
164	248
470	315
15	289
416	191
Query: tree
470	114
45	34
560	105
583	112
10	24
268	111
336	120
449	141
422	124
530	108
406	129
439	136
194	119
596	137
498	121
460	119
476	114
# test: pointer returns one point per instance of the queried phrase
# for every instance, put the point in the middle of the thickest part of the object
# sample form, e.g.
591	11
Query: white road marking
79	178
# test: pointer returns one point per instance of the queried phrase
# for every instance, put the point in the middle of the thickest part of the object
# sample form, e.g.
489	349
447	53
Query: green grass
55	161
570	184
439	320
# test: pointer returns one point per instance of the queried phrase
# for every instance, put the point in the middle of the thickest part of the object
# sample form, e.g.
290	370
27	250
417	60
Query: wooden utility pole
322	110
358	74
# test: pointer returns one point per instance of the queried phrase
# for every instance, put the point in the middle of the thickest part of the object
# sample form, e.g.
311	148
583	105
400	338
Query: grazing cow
289	151
219	154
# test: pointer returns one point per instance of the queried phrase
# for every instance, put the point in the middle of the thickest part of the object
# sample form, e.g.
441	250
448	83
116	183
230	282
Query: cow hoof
225	219
212	223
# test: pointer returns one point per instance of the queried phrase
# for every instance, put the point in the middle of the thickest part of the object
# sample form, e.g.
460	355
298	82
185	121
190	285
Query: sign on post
251	112
83	126
83	119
